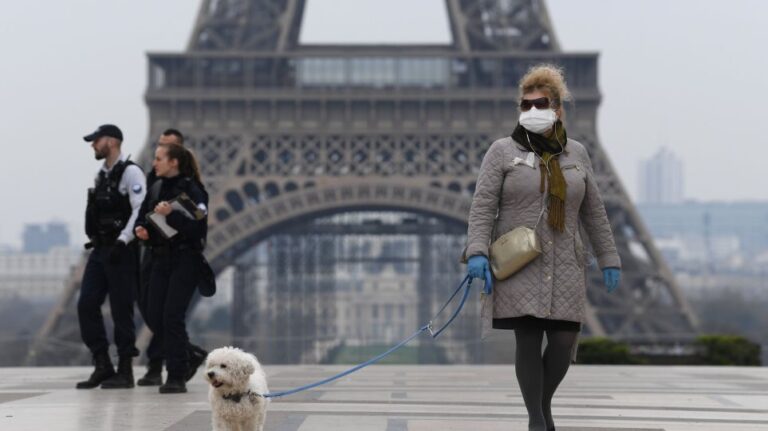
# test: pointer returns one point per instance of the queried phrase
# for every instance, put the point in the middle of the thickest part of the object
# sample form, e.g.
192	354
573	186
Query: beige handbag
513	250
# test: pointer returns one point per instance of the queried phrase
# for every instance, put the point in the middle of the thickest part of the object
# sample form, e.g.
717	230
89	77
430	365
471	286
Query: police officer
176	258
113	206
155	356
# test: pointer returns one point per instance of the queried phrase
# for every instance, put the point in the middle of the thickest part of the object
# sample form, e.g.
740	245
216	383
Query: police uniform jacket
132	185
191	233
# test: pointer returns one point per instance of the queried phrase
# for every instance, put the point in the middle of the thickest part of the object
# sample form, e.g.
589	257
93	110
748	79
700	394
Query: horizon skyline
77	239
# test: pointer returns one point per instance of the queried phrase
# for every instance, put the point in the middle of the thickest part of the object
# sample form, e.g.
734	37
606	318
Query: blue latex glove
611	278
478	267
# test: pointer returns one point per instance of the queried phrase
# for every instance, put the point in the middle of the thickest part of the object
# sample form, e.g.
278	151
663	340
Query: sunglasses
540	103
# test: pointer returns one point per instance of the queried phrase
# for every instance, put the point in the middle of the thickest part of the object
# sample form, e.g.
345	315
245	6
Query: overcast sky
688	74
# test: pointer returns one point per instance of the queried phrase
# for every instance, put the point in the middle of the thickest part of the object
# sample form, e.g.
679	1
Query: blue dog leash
426	328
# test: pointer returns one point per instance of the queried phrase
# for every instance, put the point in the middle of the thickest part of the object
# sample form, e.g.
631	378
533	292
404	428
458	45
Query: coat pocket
576	178
573	169
584	257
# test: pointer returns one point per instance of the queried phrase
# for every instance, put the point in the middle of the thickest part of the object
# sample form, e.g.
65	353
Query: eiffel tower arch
290	136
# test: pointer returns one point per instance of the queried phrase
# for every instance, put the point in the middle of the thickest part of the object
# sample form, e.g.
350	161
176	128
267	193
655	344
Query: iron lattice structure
287	133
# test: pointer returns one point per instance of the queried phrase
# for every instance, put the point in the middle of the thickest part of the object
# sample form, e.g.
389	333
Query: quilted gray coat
507	195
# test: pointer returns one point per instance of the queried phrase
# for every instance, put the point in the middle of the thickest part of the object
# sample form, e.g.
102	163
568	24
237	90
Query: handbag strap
541	214
501	194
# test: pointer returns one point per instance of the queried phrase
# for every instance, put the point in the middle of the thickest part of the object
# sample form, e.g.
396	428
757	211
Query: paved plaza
412	398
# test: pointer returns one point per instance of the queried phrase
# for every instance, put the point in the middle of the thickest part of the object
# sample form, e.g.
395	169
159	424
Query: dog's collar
237	397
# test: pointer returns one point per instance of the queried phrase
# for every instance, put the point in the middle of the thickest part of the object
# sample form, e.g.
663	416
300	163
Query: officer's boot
174	385
124	377
102	371
154	375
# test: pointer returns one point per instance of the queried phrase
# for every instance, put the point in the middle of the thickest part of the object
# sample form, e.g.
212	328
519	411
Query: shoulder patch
201	206
137	188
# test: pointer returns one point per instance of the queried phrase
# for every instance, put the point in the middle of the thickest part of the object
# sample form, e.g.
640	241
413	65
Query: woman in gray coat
540	179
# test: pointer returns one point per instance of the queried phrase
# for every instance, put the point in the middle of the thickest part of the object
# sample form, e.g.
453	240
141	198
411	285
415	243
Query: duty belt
100	241
168	248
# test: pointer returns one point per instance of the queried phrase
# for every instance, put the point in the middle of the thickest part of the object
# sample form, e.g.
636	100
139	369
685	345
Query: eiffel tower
290	136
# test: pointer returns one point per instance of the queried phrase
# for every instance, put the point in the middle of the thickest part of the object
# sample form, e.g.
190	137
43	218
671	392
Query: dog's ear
242	370
248	369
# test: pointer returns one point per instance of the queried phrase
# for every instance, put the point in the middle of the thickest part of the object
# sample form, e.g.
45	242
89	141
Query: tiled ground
412	398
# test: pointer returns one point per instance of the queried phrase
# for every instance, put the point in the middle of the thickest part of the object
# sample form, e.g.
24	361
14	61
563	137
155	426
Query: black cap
105	130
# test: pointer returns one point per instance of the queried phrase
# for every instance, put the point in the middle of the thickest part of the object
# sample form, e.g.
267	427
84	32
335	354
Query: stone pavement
407	398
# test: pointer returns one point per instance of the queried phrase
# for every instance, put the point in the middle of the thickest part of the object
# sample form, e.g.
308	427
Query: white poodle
237	383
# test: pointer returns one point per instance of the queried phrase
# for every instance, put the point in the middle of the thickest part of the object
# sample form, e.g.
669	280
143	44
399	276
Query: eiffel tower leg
243	312
649	308
61	315
426	290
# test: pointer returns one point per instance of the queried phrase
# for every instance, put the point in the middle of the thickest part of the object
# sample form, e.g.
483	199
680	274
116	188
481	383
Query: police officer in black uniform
176	258
155	355
112	268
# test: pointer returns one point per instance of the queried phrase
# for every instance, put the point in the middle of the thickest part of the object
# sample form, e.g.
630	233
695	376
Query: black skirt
536	323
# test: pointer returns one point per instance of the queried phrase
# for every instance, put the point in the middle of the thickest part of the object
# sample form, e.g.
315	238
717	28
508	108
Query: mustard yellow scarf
549	148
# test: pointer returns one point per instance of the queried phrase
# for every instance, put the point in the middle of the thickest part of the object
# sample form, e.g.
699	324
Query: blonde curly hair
548	79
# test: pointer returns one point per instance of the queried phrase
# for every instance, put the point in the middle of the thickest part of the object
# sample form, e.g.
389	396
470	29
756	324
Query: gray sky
683	73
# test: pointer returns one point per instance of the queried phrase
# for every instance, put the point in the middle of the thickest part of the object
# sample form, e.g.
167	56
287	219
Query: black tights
539	376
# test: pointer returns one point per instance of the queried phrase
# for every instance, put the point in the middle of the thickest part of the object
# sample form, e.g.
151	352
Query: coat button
549	242
548	277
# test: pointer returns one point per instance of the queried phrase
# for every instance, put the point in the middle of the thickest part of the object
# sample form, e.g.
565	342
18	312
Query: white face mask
538	120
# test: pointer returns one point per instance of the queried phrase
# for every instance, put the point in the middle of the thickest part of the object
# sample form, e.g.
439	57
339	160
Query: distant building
708	231
36	275
661	179
40	238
